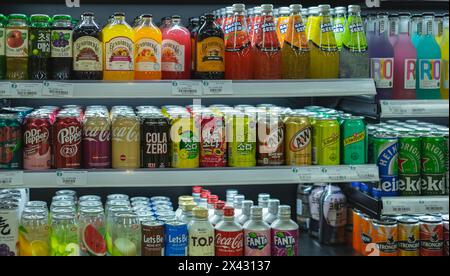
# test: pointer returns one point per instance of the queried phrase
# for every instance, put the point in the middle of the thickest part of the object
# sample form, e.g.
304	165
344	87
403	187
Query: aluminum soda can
10	142
152	238
385	155
213	146
326	146
354	141
241	135
433	164
431	236
96	141
176	238
271	144
185	148
37	152
155	141
385	235
298	141
408	236
446	242
67	138
125	140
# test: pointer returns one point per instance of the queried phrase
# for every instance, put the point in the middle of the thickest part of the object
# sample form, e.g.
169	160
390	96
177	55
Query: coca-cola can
37	154
67	135
155	137
125	140
96	141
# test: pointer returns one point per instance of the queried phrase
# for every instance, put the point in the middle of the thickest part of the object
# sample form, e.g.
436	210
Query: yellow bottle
148	39
324	63
282	24
445	59
118	46
313	14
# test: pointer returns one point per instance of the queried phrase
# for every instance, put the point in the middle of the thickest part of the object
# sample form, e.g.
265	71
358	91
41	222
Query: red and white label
36	152
229	243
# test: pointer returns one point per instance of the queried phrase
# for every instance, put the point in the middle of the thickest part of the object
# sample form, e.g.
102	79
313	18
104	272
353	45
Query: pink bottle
176	51
404	62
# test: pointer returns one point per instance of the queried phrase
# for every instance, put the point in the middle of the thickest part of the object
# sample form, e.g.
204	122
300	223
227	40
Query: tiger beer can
298	140
125	141
408	236
385	236
270	135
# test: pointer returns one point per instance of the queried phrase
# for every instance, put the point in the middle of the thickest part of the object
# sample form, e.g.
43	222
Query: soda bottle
2	47
333	215
176	51
282	24
229	12
229	237
237	46
439	28
250	17
272	213
245	215
62	48
339	26
17	35
194	34
256	234
193	22
39	47
370	28
256	22
428	69
393	28
404	62
218	213
267	50
445	59
354	56
324	52
416	28
210	50
148	50
295	51
118	48
381	54
284	234
201	234
87	49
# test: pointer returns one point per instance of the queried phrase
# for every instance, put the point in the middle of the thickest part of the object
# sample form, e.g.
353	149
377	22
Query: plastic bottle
148	40
404	62
2	47
62	47
245	215
445	59
218	213
263	202
284	234
282	24
428	69
339	25
229	236
295	52
393	28
257	234
17	36
201	234
230	194
118	49
39	61
187	215
333	216
272	213
212	199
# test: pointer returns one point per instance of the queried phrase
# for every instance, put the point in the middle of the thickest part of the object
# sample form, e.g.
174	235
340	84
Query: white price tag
415	205
187	88
57	89
5	89
71	178
11	178
337	174
26	89
217	87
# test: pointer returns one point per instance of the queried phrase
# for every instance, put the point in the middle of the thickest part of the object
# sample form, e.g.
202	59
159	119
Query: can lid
219	205
152	223
430	219
228	211
200	212
408	220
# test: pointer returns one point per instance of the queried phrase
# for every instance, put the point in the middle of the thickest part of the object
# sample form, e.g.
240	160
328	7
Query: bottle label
382	71
40	42
323	37
296	35
229	243
410	74
210	55
257	243
338	28
354	39
87	54
201	241
284	242
119	53
2	41
429	73
445	71
16	42
236	36
62	43
172	56
334	210
148	55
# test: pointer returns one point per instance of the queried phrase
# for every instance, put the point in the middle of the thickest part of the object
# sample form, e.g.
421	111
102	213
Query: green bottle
40	47
2	47
339	25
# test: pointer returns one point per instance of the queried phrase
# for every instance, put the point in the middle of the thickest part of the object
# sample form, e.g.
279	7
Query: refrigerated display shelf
414	109
311	247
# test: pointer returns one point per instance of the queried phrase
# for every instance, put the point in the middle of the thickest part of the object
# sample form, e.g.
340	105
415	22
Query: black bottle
61	47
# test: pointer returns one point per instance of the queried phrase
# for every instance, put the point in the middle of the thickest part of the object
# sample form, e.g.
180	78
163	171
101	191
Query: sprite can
185	141
385	154
409	182
354	141
327	141
433	164
241	134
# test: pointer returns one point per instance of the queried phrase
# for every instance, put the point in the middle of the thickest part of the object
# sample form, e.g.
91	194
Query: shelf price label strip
402	108
71	178
57	89
10	179
415	205
337	174
217	87
26	89
5	89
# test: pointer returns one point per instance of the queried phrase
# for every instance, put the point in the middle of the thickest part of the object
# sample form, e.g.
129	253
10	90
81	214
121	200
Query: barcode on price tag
217	87
57	89
11	178
5	89
187	88
26	89
71	178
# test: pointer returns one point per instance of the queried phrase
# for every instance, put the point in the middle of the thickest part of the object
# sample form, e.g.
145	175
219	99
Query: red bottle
37	153
237	46
176	51
67	133
267	50
256	22
229	236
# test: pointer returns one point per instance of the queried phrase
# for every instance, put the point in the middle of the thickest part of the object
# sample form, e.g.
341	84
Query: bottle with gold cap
201	234
187	208
182	199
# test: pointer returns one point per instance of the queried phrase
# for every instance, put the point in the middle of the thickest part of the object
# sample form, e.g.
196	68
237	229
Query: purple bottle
284	234
381	54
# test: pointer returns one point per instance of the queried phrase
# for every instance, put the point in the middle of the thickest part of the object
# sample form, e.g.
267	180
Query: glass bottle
194	34
87	49
284	234
339	25
193	22
17	47
92	231
256	22
148	50
165	22
201	234
282	24
62	48
39	61
34	233
256	234
439	27
64	235
416	28
313	15
445	59
126	235
2	47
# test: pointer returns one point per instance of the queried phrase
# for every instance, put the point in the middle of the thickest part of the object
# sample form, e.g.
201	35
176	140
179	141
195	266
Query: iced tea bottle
62	48
17	36
237	46
282	24
148	39
118	48
295	52
40	47
445	59
87	49
2	47
176	51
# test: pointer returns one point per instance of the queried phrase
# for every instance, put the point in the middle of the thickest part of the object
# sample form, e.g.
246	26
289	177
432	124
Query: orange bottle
148	39
282	24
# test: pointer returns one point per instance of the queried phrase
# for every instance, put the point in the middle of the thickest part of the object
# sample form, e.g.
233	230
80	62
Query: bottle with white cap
238	199
256	234
339	24
263	202
284	234
186	215
272	215
230	197
245	215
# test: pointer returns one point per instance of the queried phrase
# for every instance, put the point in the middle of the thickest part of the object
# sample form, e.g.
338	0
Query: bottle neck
177	22
88	20
428	25
393	26
119	20
228	219
256	218
218	212
404	25
146	21
200	219
382	26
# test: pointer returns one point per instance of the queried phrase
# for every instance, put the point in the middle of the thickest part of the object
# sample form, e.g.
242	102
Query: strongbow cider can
431	236
408	236
37	153
327	148
185	141
270	140
241	135
385	154
384	234
155	141
409	165
298	141
213	151
433	164
176	238
353	142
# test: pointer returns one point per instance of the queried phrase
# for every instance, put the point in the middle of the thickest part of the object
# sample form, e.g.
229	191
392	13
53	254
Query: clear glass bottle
245	215
272	213
126	235
92	231
64	235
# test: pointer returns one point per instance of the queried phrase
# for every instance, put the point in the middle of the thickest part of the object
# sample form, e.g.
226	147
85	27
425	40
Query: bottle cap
200	212
228	211
188	206
354	8
284	11
229	10
266	7
340	10
238	199
176	17
324	8
196	189
257	10
205	194
247	204
39	18
284	210
213	199
238	7
146	15
119	14
88	14
231	192
185	198
62	17
273	205
256	211
219	205
296	8
263	197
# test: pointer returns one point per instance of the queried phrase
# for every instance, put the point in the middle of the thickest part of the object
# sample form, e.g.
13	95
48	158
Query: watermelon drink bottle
92	231
176	50
445	59
64	235
428	69
238	48
267	51
381	56
404	62
148	39
416	29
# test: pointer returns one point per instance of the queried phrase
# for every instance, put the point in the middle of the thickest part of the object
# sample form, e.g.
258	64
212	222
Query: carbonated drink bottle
393	28
339	26
256	234
439	28
282	24
17	36
176	51
62	50
313	15
228	18
445	59
39	47
148	40
256	22
416	28
2	47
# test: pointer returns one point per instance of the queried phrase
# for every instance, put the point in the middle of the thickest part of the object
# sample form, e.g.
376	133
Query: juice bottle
148	40
267	50
439	27
404	62
194	34
324	52
445	59
339	26
354	55
295	52
282	24
176	51
428	69
416	28
165	22
62	51
250	17
210	47
255	25
238	47
313	15
228	18
393	28
118	48
17	36
2	47
40	41
381	54
87	49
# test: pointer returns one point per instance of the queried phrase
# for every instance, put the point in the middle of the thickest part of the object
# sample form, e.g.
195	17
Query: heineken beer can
409	182
385	154
433	164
